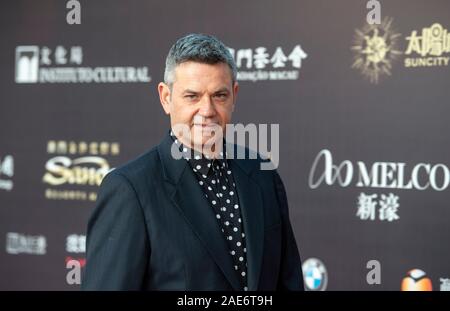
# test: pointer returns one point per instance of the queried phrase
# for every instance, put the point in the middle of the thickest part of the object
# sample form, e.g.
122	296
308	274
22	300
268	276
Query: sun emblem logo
375	48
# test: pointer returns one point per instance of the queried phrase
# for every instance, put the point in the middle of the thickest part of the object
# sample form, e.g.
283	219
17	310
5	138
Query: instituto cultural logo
62	64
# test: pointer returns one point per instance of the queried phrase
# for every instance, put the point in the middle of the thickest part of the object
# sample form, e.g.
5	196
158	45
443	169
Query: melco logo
381	175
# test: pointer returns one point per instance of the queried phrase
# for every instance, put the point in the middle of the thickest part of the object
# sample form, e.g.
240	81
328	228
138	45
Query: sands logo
87	170
80	171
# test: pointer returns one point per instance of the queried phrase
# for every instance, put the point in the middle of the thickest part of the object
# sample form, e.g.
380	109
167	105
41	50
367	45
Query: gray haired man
203	221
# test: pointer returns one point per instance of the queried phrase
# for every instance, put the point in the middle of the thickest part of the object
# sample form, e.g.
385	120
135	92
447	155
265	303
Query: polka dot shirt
215	178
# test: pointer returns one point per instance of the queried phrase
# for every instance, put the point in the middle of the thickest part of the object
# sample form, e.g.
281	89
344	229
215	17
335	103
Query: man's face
202	97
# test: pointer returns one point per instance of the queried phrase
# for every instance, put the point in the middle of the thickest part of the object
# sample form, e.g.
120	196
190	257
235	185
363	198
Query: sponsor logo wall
6	172
363	113
36	64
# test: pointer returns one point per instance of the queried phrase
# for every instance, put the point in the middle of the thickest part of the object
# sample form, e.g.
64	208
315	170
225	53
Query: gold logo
81	171
375	48
429	47
77	168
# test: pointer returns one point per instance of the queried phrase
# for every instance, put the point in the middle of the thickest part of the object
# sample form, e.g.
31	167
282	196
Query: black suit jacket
153	229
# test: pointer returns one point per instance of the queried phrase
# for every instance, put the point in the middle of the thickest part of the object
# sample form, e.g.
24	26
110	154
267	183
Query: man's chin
203	141
204	136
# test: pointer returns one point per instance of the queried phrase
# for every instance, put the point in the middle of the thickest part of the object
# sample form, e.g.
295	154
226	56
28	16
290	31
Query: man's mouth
209	125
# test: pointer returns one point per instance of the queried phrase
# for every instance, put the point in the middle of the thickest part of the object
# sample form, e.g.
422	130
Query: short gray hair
198	48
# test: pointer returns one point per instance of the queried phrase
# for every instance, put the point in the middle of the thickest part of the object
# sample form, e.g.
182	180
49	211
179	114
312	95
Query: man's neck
209	151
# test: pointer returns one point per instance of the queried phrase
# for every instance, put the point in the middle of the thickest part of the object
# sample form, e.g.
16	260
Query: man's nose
207	108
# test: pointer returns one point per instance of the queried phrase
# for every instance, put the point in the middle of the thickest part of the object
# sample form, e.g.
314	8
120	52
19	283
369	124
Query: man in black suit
186	217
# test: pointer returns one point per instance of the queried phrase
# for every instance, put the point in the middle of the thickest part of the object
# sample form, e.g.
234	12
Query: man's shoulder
252	162
142	166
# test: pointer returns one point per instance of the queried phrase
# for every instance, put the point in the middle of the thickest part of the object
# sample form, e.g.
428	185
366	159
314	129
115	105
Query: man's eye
221	96
190	96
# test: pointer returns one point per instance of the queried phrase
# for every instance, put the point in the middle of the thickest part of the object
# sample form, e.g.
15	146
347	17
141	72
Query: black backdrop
78	100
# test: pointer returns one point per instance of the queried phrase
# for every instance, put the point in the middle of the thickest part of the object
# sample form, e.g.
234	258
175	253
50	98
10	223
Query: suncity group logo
76	165
35	64
416	280
6	172
431	48
375	49
387	175
261	63
315	275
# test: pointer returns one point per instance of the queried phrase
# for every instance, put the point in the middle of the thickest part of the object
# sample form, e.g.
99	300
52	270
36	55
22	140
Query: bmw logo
315	275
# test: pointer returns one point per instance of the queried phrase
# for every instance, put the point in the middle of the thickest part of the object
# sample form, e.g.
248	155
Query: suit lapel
188	197
252	212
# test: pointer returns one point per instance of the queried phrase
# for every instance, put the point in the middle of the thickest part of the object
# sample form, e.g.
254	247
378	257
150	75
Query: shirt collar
199	162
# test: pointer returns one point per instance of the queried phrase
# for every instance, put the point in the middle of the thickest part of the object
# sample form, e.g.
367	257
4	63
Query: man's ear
164	96
235	91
